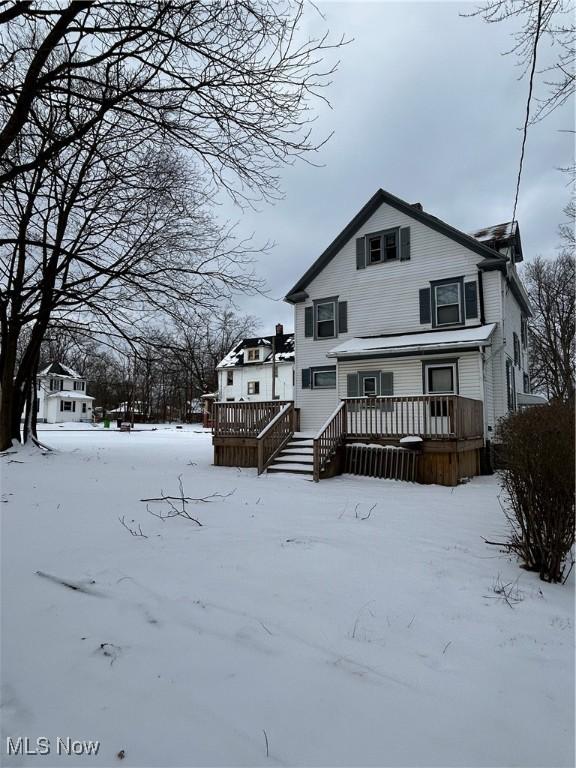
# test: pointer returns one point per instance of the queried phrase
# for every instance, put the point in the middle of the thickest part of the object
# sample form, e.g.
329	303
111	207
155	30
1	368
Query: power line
527	119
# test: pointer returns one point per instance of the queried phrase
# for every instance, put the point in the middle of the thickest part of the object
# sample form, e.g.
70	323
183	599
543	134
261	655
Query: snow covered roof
529	399
59	369
284	343
496	232
415	342
70	395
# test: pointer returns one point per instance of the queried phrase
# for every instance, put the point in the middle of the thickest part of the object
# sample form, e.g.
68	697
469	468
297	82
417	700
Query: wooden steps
296	458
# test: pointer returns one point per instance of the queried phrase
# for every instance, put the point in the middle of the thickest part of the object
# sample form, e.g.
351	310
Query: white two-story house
61	395
403	304
247	373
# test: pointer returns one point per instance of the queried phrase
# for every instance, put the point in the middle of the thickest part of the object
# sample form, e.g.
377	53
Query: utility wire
527	119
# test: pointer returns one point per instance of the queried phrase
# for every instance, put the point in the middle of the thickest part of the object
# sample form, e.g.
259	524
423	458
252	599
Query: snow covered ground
349	622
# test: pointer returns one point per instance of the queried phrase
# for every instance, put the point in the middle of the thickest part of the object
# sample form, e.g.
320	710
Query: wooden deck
451	429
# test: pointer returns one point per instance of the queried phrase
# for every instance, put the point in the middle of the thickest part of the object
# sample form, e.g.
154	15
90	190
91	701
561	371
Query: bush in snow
538	478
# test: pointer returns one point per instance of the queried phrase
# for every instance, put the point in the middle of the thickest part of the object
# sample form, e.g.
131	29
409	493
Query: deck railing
275	435
244	419
434	417
329	438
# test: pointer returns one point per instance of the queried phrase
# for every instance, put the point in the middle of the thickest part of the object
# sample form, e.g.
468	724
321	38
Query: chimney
279	329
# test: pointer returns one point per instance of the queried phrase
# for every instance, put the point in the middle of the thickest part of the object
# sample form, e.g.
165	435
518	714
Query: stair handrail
328	438
275	435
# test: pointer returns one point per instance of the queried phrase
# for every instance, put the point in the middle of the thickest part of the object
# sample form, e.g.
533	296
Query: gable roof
284	350
59	369
297	293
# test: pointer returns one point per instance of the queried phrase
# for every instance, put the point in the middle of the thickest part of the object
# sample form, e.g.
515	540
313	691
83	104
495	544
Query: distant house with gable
61	395
258	368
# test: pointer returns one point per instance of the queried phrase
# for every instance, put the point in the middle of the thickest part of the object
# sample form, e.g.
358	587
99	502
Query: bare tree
550	285
230	81
100	223
551	20
105	234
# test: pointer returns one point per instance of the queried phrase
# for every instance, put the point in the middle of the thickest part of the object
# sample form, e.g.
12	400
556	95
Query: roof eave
415	350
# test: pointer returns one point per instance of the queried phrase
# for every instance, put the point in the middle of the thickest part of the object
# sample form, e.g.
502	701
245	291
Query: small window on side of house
253	387
253	354
229	378
324	379
441	379
67	405
369	386
374	249
83	407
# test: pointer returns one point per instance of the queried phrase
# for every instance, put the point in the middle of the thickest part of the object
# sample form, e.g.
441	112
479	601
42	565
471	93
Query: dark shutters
352	385
342	317
305	378
386	383
471	299
360	253
425	305
309	321
405	244
61	405
516	344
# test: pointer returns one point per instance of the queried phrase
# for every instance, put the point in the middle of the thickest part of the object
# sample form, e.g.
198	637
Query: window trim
445	363
381	235
318	302
434	308
363	380
323	369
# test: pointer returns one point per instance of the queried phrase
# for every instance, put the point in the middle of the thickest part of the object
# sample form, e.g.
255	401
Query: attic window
253	354
382	246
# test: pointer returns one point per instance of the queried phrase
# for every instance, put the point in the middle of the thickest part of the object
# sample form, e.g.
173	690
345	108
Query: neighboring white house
403	304
62	395
246	371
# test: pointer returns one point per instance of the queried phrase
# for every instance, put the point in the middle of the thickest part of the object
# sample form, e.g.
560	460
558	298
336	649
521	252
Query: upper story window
524	331
229	378
382	246
253	354
448	303
253	387
79	385
326	320
516	345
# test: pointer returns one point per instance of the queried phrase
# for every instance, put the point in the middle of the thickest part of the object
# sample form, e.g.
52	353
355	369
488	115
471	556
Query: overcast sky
425	106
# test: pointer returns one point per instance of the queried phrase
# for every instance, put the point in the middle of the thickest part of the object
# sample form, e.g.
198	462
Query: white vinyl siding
256	372
383	298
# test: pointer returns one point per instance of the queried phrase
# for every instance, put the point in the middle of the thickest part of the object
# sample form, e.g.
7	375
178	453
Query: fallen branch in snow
132	531
446	647
367	515
76	587
509	593
266	738
182	500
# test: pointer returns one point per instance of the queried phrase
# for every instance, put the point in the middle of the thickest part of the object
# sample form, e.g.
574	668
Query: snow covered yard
300	625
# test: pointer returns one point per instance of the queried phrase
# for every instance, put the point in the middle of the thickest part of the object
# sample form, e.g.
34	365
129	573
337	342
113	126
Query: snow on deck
463	337
354	621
